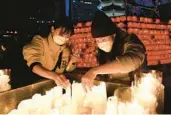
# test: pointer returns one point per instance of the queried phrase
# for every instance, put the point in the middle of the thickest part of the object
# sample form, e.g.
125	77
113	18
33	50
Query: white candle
134	108
4	85
78	95
55	112
13	112
99	98
25	106
66	110
68	91
112	105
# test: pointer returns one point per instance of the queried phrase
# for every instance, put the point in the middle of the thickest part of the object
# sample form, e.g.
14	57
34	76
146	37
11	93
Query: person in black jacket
119	53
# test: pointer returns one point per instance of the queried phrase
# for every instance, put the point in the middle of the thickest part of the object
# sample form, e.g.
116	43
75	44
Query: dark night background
26	18
15	14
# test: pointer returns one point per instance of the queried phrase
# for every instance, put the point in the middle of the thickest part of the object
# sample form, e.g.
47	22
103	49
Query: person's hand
74	59
87	80
72	63
60	79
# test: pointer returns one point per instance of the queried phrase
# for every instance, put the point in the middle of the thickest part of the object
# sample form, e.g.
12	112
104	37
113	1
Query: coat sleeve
133	56
33	51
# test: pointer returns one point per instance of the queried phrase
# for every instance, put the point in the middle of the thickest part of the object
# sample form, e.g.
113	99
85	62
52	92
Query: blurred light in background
67	7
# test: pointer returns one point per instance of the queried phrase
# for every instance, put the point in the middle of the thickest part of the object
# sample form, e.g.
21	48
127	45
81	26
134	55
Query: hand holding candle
87	80
60	79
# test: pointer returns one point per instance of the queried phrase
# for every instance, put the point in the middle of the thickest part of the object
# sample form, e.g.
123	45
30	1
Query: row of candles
156	40
156	62
159	57
144	94
148	31
155	36
133	21
130	25
148	26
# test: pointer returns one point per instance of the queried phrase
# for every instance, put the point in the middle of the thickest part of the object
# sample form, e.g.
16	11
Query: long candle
112	105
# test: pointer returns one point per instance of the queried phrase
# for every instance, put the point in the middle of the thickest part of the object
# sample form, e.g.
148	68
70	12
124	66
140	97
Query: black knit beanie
102	25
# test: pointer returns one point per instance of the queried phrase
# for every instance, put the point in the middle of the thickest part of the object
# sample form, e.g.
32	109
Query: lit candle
4	85
13	112
68	91
25	106
135	109
99	98
112	105
55	112
146	100
78	95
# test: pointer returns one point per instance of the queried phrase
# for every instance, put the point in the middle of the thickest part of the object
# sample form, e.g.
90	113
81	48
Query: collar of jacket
123	34
53	46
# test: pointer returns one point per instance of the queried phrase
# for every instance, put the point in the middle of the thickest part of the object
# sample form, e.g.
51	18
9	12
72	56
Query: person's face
59	36
105	43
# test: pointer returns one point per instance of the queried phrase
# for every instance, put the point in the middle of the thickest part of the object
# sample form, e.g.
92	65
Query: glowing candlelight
112	105
140	98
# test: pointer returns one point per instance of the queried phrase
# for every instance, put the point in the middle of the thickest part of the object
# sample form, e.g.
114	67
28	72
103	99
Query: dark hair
64	23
